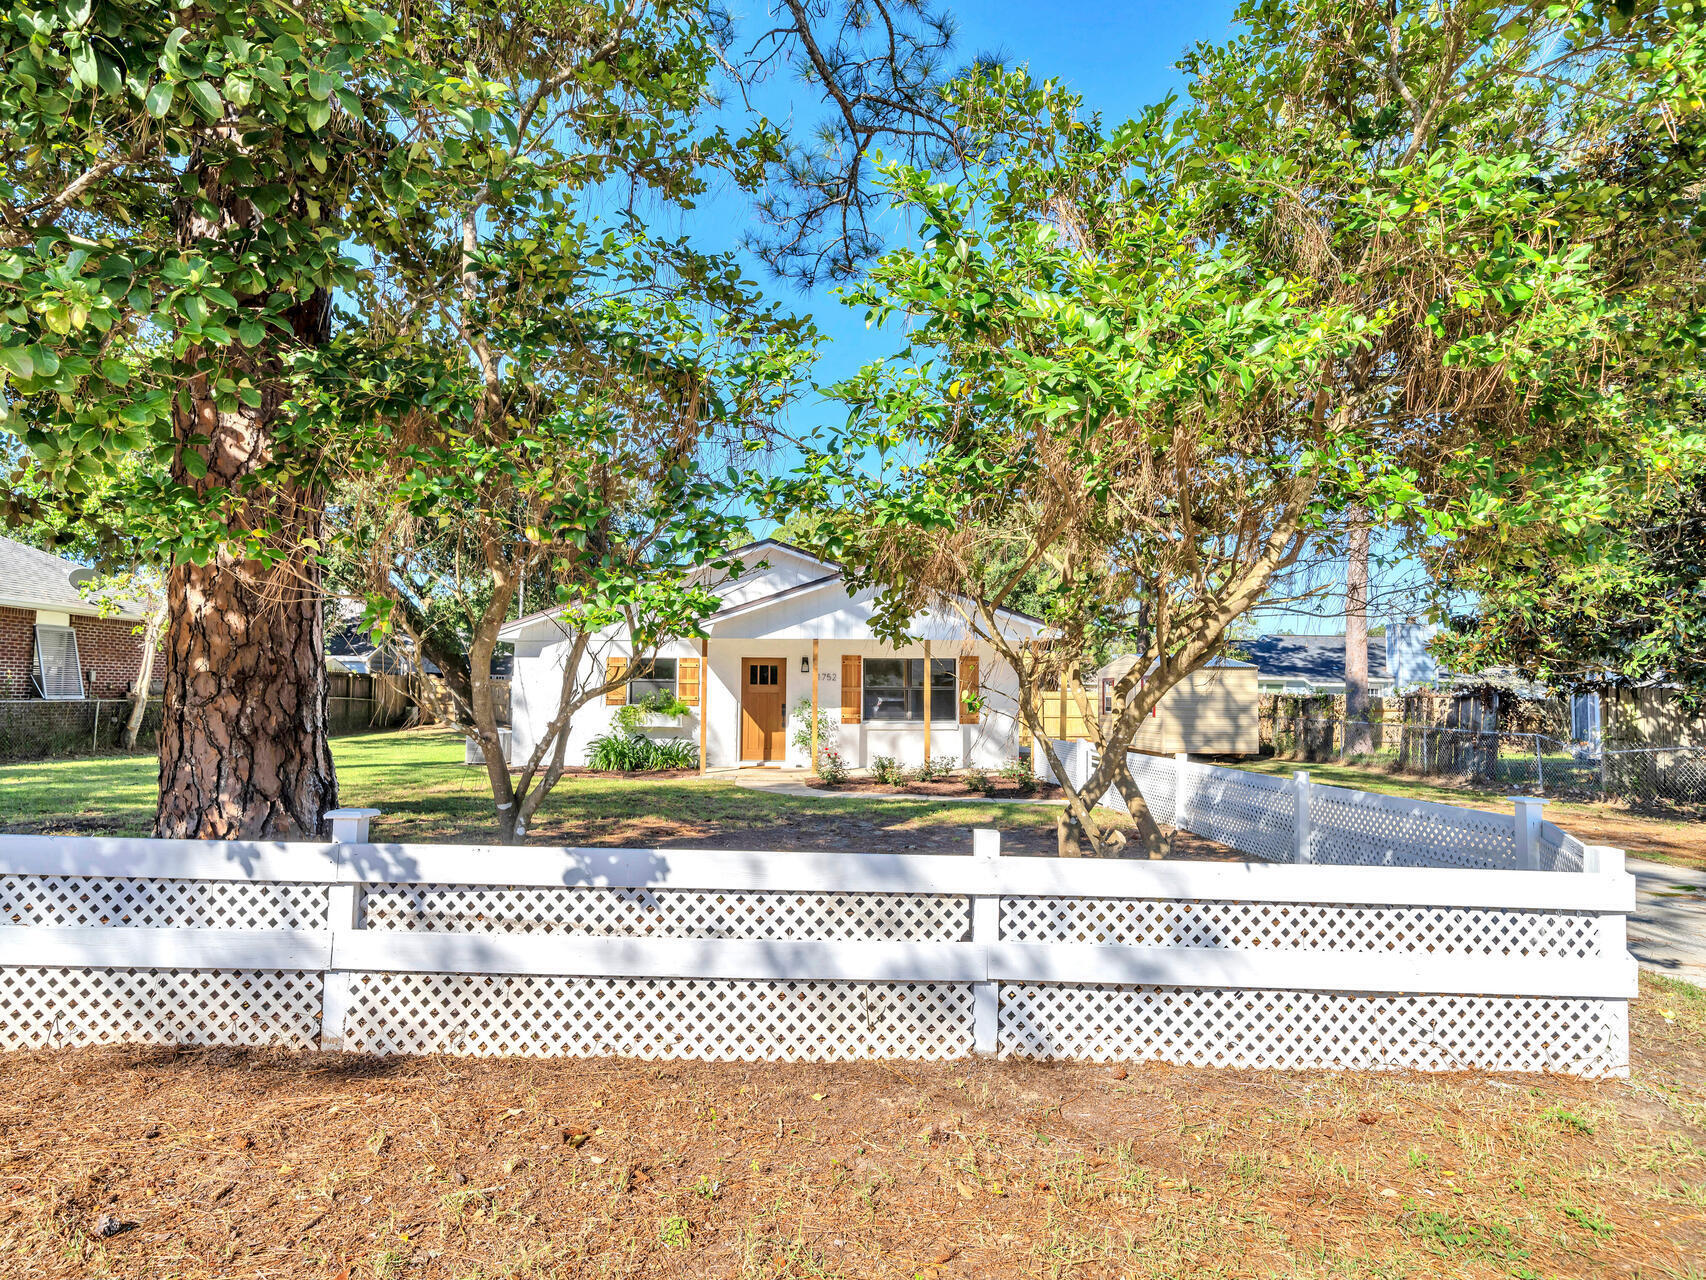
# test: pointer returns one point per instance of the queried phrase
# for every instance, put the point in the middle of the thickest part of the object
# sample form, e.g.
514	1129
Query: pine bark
244	748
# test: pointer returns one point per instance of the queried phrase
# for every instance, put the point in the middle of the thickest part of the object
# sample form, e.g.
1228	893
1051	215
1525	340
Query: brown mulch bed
195	1164
999	789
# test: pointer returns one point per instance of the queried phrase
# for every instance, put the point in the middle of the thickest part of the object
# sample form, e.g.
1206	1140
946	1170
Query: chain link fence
1662	777
38	729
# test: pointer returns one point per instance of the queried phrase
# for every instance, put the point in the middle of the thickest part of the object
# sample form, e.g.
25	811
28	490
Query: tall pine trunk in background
244	750
1359	740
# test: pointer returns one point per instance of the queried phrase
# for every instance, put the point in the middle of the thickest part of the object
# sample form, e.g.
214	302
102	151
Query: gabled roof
33	579
1313	658
511	630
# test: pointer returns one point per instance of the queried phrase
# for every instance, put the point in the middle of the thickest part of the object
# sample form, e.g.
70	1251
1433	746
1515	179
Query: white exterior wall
782	632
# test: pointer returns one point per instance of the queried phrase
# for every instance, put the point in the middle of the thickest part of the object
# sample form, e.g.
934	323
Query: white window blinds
58	672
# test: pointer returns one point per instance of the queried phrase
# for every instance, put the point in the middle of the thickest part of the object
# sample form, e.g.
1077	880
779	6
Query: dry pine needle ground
149	1162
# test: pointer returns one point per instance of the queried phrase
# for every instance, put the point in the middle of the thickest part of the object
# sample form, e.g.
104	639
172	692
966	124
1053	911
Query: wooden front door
763	708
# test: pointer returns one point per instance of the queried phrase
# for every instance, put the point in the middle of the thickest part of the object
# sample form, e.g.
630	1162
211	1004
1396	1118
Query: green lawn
417	779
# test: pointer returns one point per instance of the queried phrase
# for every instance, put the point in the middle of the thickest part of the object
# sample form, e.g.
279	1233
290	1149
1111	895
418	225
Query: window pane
944	705
892	689
658	677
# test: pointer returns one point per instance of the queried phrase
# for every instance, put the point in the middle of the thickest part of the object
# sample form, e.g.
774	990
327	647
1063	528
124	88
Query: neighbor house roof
33	579
1317	659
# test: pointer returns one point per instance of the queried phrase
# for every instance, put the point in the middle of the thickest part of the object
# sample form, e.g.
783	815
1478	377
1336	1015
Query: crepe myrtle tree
569	422
1186	388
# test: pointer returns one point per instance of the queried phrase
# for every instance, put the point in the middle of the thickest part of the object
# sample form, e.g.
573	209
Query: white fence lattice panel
1561	851
668	913
718	1020
131	902
1302	926
1295	1030
1247	811
1360	829
50	1008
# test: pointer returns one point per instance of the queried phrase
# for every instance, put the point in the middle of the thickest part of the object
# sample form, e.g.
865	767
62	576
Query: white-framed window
894	689
656	676
58	672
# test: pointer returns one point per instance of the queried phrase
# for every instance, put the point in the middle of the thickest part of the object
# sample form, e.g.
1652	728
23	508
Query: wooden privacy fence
661	953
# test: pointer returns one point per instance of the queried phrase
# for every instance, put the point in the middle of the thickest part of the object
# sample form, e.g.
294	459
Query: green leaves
159	99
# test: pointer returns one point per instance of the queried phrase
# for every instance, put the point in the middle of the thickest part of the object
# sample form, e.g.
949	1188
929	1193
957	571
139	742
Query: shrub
887	770
674	753
662	703
1020	773
618	752
633	752
940	767
826	730
977	781
831	767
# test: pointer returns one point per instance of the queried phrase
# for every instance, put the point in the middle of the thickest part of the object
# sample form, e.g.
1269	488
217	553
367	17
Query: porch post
704	696
814	704
927	691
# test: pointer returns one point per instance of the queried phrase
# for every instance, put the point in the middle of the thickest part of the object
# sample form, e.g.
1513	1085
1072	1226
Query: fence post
1528	830
343	911
986	931
1300	832
1181	792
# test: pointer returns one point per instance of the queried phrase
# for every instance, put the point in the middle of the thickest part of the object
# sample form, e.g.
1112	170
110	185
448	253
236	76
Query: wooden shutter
852	687
968	684
687	680
617	696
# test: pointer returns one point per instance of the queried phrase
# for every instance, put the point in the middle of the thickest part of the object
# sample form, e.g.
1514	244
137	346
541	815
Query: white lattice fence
780	955
1298	820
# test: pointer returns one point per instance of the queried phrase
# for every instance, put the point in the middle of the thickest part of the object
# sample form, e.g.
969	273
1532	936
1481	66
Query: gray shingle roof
1310	657
32	579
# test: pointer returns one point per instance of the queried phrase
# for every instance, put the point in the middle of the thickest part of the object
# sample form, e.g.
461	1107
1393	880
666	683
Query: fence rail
742	955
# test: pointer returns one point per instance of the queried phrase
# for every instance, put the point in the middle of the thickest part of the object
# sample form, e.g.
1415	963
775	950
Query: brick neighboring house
54	644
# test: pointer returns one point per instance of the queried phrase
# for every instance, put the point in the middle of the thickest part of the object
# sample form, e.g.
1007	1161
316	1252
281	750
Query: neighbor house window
894	689
656	676
57	672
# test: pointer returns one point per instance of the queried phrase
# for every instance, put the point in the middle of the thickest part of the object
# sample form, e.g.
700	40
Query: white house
789	632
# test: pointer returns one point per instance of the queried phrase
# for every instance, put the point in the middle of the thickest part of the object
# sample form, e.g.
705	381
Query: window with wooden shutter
687	681
57	673
968	688
617	694
852	685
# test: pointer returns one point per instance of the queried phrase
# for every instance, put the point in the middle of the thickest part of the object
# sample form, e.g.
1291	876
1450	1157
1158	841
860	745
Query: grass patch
417	779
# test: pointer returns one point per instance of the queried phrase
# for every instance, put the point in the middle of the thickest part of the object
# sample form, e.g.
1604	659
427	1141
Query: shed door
763	708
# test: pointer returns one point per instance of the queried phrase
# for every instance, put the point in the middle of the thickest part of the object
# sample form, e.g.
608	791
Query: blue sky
1120	60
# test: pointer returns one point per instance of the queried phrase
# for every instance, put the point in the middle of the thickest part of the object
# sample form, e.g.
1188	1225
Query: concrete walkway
1667	933
790	783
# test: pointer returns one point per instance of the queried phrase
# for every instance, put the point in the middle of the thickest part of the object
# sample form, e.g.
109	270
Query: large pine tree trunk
244	751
